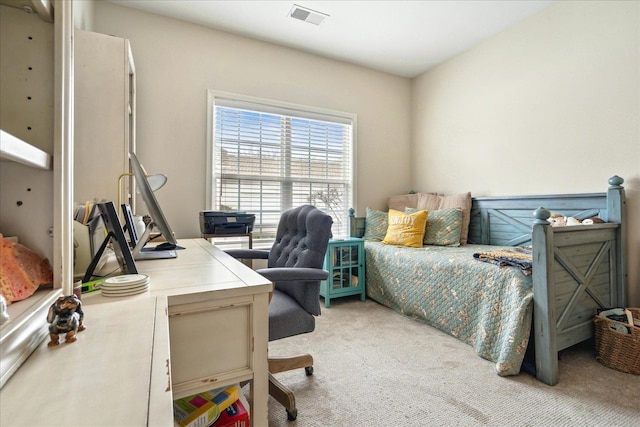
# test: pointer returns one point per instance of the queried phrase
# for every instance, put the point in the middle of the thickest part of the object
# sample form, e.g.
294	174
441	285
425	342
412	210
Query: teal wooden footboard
576	269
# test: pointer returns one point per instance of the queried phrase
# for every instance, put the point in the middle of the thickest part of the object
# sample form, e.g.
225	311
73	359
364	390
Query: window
266	157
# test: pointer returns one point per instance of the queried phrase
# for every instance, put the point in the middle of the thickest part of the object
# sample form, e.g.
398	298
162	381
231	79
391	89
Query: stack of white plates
125	285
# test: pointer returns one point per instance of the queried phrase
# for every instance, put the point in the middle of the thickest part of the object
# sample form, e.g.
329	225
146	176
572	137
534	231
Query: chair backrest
301	241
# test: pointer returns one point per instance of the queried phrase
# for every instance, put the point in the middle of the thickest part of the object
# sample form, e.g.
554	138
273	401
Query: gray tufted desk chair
294	266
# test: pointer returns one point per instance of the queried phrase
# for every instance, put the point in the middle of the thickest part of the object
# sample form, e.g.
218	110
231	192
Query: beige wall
177	62
551	105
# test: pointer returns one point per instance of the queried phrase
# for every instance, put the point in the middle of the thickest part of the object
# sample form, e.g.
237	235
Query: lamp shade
157	181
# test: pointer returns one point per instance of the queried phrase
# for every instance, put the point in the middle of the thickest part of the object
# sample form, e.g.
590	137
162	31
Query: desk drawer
211	344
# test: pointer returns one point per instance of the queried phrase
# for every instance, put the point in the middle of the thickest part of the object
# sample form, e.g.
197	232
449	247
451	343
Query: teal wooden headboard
508	221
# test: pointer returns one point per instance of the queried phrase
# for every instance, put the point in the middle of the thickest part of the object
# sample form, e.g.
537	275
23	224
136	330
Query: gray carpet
374	367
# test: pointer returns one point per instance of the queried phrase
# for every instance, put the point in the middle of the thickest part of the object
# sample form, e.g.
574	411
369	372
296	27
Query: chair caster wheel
308	370
291	416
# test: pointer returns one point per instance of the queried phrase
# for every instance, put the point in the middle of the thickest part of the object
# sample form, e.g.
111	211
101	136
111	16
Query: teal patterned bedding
483	305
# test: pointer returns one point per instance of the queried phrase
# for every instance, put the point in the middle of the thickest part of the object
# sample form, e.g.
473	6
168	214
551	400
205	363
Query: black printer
226	222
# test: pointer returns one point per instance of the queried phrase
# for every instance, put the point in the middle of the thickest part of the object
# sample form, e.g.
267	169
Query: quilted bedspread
484	305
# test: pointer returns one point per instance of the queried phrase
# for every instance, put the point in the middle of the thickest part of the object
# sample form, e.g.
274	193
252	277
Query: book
235	415
202	409
341	280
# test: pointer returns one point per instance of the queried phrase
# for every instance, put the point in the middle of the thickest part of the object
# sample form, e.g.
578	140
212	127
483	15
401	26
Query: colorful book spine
202	409
235	415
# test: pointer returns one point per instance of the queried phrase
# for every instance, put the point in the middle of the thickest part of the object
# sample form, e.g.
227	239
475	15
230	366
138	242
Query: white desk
202	325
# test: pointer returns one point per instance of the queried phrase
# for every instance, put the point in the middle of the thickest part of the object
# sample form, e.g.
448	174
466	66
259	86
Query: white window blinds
269	158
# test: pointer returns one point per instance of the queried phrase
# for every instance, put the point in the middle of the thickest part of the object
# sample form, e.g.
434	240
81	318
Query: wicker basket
615	349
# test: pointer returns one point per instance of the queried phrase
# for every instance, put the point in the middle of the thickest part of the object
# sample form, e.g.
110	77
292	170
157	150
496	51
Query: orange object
22	271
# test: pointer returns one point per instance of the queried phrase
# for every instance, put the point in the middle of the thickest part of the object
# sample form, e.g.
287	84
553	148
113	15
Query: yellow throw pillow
406	229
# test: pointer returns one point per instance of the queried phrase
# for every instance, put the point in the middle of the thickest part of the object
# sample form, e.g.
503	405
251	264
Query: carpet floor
374	367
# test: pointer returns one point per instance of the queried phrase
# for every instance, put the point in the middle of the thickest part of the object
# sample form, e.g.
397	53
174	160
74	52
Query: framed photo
115	235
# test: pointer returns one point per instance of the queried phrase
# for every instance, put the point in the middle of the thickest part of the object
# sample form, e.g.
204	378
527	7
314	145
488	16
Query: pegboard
27	112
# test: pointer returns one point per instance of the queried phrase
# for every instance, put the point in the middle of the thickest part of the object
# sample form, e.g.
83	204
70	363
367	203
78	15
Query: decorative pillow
376	224
411	200
406	229
430	201
22	271
399	203
443	227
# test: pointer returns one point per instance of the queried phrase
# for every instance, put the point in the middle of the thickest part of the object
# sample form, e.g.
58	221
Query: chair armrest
284	274
248	253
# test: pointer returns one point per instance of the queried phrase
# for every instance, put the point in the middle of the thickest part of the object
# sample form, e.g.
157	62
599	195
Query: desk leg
260	385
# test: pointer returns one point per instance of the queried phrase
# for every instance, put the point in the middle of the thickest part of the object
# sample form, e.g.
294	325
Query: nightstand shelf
345	263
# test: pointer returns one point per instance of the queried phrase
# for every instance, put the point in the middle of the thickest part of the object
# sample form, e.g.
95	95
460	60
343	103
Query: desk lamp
156	182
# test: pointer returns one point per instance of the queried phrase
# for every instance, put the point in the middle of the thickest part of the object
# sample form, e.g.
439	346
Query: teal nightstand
345	263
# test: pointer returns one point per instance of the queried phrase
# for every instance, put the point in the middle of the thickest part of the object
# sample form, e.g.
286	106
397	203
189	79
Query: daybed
575	270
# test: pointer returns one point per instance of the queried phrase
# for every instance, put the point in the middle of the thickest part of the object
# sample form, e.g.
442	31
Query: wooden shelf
43	8
25	330
36	196
16	150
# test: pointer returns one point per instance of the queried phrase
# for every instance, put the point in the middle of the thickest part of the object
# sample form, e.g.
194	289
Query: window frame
235	100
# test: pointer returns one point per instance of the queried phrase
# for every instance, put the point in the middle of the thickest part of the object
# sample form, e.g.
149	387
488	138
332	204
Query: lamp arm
153	180
122	175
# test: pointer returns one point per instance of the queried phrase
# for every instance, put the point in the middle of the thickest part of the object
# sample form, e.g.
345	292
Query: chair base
284	396
279	391
289	363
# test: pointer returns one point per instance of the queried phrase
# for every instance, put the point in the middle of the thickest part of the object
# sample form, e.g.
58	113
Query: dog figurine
65	317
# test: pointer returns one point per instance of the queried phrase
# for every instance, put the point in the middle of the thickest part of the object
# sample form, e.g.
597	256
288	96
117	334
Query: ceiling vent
307	15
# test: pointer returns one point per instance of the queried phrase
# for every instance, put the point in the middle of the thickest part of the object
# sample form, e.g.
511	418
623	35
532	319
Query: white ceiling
404	38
